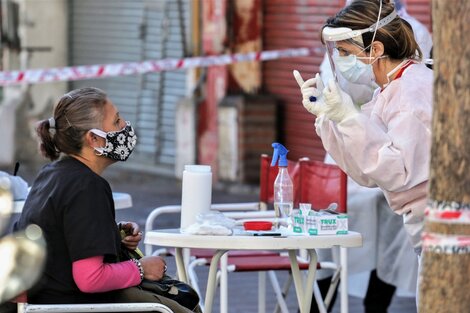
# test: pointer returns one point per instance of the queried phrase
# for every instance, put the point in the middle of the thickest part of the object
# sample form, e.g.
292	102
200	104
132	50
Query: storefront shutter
119	31
295	24
421	10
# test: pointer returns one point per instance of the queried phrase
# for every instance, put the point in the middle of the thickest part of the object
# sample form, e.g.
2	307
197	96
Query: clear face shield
331	37
341	41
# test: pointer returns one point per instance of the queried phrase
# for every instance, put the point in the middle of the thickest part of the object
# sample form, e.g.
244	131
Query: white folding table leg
211	280
343	255
181	265
223	284
304	290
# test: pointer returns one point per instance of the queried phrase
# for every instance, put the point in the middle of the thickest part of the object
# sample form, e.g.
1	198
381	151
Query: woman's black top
75	209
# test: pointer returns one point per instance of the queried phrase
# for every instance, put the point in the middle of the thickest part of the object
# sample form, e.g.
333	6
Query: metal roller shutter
117	31
421	10
295	24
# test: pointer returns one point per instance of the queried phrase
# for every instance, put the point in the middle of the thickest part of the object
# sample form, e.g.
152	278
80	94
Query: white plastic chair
194	260
94	307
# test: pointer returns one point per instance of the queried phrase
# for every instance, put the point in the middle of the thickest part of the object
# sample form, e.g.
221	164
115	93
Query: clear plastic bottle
283	187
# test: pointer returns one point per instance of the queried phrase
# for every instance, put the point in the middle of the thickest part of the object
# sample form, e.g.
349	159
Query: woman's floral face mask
119	144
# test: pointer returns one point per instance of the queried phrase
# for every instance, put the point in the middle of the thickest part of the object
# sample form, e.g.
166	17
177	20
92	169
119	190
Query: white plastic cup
196	194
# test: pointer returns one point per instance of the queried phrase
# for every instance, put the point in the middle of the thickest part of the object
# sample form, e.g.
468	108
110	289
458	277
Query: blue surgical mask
354	70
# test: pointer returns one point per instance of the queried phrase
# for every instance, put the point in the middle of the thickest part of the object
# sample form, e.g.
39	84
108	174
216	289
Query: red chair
321	184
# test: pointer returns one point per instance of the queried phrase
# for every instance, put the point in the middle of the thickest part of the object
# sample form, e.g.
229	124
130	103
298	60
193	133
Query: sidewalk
150	191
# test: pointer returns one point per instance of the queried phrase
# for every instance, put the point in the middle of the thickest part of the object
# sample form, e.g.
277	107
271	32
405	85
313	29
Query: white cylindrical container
196	193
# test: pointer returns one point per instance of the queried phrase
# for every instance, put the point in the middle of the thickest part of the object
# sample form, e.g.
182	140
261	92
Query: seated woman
73	205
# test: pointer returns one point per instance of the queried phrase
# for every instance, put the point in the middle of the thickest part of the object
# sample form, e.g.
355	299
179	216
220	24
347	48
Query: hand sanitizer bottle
283	187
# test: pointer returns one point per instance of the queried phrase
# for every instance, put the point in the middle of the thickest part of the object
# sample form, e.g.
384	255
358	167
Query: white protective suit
387	145
383	232
385	247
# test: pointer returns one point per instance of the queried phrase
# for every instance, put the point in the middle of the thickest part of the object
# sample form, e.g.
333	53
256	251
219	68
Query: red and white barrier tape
448	212
446	244
34	76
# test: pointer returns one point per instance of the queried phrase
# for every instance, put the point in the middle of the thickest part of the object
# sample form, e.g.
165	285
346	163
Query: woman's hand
339	105
154	267
133	235
311	90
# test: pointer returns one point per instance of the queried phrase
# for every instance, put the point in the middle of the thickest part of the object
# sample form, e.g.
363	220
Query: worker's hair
76	113
397	36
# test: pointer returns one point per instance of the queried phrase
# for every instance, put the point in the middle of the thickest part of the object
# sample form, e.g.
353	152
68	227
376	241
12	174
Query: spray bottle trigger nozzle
280	152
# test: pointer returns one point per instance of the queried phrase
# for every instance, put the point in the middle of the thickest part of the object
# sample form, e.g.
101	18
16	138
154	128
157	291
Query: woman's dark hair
76	113
397	36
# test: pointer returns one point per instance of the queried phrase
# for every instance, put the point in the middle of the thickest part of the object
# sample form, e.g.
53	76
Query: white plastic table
121	201
222	244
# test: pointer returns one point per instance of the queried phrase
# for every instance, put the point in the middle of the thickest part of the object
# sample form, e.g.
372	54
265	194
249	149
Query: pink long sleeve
92	275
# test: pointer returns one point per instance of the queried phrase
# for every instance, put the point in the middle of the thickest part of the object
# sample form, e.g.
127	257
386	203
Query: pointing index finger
298	78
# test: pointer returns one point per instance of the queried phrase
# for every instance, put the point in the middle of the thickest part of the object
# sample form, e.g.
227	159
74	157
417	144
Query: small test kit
310	222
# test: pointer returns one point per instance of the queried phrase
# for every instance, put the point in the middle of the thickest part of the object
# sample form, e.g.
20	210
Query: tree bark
445	276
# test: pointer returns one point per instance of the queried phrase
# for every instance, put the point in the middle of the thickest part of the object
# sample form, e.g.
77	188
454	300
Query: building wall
38	20
42	30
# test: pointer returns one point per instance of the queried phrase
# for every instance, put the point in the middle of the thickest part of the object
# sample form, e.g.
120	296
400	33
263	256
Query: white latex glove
312	97
339	104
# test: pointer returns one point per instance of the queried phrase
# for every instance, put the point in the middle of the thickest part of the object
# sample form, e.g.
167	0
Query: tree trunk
445	276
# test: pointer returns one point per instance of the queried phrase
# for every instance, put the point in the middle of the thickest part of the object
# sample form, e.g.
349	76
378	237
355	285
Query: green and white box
321	224
298	222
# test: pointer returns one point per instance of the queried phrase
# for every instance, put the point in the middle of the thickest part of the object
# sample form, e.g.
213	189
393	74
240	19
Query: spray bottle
283	187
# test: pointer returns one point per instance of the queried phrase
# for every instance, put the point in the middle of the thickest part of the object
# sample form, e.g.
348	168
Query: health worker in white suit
391	263
386	142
